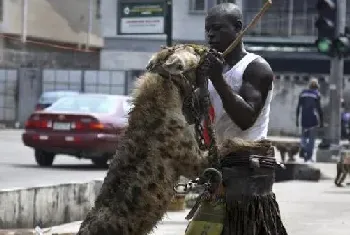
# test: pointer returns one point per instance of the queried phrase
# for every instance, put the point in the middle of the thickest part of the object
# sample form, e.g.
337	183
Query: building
50	33
285	37
285	22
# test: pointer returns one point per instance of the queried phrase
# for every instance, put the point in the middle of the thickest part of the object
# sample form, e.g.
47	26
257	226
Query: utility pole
169	23
88	36
290	17
334	43
24	20
239	3
336	80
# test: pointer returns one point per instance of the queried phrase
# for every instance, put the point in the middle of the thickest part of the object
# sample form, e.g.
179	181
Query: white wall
59	20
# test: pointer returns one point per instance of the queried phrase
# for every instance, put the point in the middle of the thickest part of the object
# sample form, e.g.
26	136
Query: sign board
141	17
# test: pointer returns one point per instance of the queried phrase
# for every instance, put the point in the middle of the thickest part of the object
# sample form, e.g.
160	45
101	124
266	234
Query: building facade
284	36
285	21
50	33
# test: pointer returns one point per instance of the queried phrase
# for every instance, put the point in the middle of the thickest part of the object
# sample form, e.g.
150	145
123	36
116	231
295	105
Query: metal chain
192	106
205	101
197	108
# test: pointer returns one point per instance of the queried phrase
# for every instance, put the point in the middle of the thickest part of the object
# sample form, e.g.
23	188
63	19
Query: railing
283	24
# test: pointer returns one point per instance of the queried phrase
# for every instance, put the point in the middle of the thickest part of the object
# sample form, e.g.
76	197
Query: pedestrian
240	87
311	117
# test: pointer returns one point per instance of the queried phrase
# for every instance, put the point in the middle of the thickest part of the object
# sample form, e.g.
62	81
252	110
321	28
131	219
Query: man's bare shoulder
258	71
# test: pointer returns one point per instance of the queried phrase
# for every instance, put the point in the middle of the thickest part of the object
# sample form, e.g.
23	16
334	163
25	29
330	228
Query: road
306	208
18	168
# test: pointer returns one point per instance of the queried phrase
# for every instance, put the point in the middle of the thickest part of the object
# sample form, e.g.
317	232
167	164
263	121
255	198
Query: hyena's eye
180	67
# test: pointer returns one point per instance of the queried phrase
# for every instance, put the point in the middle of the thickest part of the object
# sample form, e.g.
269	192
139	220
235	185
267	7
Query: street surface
18	168
306	208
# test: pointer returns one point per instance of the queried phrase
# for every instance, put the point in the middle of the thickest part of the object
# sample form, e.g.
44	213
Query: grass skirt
253	215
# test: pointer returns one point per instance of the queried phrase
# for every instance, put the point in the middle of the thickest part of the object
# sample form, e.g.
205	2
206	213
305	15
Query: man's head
222	25
313	84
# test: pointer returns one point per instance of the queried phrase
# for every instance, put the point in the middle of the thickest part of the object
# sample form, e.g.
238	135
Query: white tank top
225	128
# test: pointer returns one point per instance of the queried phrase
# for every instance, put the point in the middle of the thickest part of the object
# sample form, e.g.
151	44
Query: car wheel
43	158
101	161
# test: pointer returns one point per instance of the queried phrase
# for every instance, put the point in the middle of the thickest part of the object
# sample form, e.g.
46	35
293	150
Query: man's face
219	32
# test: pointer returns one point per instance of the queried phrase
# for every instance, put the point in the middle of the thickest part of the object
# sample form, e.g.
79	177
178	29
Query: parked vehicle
49	97
85	126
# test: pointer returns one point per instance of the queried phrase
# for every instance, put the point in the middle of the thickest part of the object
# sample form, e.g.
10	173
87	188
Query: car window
51	97
48	99
84	104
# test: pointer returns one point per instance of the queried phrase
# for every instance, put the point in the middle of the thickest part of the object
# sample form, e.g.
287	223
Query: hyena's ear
151	62
174	65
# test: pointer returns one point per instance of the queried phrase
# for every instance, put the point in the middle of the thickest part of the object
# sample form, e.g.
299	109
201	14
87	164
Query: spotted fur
158	147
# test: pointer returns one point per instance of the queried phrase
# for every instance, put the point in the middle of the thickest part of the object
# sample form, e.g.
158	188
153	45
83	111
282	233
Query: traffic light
326	25
342	45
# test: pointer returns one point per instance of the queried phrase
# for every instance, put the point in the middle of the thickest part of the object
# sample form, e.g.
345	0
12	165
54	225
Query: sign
141	17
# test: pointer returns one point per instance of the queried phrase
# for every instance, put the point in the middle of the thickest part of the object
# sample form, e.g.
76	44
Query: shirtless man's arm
244	107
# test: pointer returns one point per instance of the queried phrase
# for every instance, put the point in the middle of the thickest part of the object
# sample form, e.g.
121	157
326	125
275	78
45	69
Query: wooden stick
251	24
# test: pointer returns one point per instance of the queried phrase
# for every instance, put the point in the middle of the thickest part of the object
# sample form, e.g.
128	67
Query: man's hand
212	66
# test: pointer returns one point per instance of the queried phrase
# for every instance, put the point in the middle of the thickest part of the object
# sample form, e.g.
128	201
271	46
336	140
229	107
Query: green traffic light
342	44
324	45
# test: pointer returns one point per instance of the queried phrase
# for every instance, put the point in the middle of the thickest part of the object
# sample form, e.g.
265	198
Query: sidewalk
306	208
172	224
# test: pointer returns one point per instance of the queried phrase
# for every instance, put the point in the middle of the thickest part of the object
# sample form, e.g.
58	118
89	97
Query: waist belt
247	176
253	161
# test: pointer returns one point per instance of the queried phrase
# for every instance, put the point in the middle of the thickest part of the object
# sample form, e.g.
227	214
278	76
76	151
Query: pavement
18	168
306	208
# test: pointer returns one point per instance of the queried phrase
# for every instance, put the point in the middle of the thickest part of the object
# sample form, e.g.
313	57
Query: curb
54	208
46	206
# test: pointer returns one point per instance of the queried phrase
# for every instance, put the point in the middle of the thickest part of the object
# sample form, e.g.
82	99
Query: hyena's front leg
341	175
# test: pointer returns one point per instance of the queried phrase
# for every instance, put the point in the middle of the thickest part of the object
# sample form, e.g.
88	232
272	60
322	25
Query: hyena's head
182	59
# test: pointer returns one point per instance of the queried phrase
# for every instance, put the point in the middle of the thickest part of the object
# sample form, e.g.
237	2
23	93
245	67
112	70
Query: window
199	6
224	1
84	104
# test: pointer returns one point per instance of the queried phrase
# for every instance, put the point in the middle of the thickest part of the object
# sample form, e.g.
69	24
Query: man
242	85
311	118
240	89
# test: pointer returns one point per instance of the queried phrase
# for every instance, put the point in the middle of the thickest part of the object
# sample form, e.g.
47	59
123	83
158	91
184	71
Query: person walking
311	117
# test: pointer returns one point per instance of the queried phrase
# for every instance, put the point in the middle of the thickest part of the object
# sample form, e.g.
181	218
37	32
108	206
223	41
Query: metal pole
88	39
169	23
336	80
290	17
239	3
24	20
